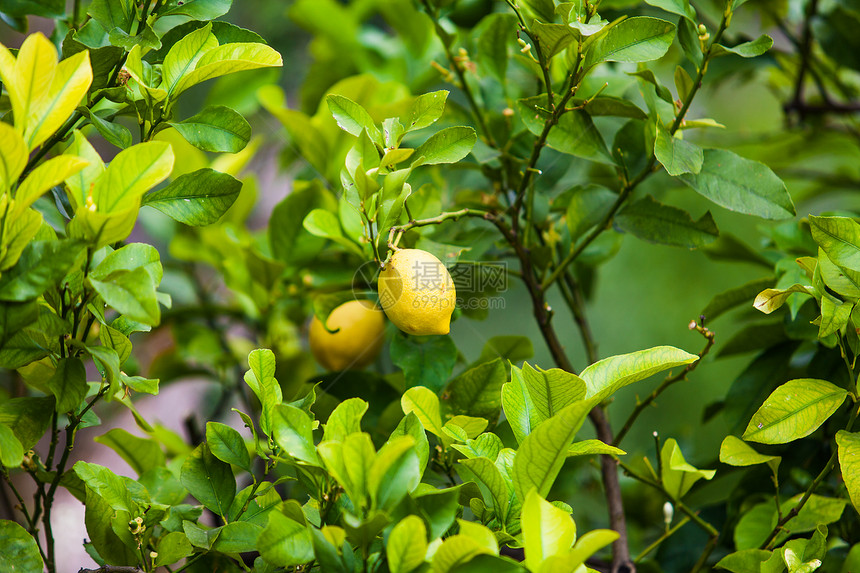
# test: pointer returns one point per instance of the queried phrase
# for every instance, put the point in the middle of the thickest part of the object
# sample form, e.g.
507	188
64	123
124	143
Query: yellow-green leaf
48	174
13	156
679	476
68	87
424	404
407	545
735	452
132	173
794	410
184	55
30	77
228	59
547	530
848	445
603	378
79	183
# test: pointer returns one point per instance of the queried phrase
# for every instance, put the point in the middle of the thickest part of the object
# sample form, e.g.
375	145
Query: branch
438	219
112	569
641	406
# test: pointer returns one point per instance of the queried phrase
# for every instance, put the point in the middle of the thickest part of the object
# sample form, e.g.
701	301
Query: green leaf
285	542
261	379
48	174
493	44
491	478
114	133
605	377
324	223
131	257
553	38
735	297
131	293
744	561
79	183
741	185
42	265
679	7
735	452
588	206
425	361
184	55
591	447
794	410
69	384
228	59
410	425
652	221
115	544
819	510
132	173
457	550
217	128
678	156
518	406
394	473
142	454
20	552
844	282
291	428
678	476
121	493
542	453
547	530
11	450
512	348
477	391
345	419
198	198
587	545
839	237
637	39
771	299
550	390
171	548
574	134
835	314
209	480
426	109
848	446
199	9
28	418
287	237
449	145
750	49
424	404
612	106
352	118
227	445
237	537
407	545
13	156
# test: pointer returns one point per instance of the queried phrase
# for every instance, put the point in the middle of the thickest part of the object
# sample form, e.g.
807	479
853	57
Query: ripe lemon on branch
417	292
360	333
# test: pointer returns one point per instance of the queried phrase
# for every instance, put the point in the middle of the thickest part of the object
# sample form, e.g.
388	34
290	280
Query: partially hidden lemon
356	344
417	292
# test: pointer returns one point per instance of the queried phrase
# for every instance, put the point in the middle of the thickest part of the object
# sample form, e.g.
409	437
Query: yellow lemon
417	292
356	344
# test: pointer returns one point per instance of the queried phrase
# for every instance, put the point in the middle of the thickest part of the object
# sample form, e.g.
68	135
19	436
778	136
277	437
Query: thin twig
643	405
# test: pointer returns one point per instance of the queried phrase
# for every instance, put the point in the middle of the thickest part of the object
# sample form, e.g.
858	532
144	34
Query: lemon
358	341
417	292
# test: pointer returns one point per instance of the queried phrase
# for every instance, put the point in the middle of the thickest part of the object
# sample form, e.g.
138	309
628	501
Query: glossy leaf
574	134
550	390
477	391
491	478
407	545
198	198
848	446
20	552
449	145
839	237
13	155
588	206
679	476
741	185
637	39
771	299
794	410
11	450
749	49
679	7
261	379
285	542
426	361
655	222
227	445
132	173
735	452
48	174
41	265
184	55
542	453
394	473
678	156
426	109
291	428
605	377
132	293
591	447
228	59
518	406
424	404
209	480
547	530
216	128
68	384
352	118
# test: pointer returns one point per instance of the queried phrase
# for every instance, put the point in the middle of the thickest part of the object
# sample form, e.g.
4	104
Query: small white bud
668	513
